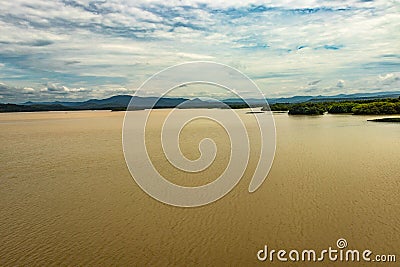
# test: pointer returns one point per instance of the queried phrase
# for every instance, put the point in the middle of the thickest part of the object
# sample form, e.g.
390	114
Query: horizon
203	98
76	50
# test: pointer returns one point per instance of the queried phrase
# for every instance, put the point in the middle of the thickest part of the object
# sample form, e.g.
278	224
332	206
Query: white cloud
28	90
390	77
283	45
340	84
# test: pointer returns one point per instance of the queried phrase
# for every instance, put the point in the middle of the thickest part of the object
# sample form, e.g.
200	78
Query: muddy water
67	197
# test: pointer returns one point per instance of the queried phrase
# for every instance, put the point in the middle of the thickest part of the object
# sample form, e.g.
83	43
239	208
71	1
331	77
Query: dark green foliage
357	107
377	108
308	109
387	120
278	107
345	107
238	106
24	108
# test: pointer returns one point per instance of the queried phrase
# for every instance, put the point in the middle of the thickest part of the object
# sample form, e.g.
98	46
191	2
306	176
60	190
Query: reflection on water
66	196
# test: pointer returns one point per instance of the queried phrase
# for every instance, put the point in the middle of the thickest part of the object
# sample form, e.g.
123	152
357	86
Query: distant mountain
293	99
339	97
121	102
118	100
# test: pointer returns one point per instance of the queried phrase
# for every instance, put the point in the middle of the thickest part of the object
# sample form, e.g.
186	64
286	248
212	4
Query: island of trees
387	120
356	107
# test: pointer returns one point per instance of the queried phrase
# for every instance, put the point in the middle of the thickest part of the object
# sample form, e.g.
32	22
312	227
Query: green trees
387	120
307	109
278	107
338	108
377	108
357	107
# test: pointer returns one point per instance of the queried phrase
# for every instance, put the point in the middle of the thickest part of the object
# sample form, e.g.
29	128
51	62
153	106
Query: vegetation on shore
356	107
47	107
387	120
307	109
30	108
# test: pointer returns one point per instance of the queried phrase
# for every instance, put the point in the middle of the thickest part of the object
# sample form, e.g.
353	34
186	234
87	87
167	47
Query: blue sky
79	49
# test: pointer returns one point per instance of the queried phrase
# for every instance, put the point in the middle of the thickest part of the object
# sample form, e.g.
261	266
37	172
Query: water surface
67	198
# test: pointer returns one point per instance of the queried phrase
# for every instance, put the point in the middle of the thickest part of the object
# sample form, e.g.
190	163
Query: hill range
121	102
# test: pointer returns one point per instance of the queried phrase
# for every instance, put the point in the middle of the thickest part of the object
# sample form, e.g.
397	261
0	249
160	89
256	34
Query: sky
80	49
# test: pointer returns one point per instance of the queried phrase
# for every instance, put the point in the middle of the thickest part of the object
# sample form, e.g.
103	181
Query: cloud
80	44
390	78
41	43
28	90
314	82
71	62
11	94
340	84
4	89
47	92
55	88
331	47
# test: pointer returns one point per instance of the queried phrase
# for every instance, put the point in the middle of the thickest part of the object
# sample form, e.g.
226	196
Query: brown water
67	198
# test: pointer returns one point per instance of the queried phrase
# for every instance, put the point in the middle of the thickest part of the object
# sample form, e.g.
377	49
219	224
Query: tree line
357	107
